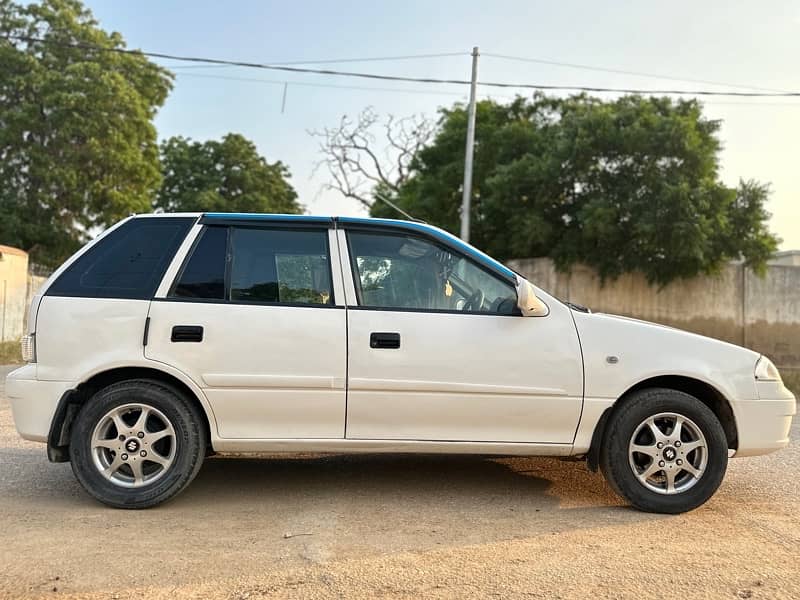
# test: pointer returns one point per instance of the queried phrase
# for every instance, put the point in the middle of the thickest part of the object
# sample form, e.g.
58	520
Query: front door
252	319
438	351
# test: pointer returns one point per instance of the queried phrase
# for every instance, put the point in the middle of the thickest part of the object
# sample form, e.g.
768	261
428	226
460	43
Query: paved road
395	527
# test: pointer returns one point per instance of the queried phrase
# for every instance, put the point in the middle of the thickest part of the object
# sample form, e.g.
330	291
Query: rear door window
258	265
280	266
127	263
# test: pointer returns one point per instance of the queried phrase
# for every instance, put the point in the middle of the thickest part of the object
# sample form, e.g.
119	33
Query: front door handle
187	333
384	340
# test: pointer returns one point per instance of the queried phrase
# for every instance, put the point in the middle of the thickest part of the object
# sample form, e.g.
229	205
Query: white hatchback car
173	336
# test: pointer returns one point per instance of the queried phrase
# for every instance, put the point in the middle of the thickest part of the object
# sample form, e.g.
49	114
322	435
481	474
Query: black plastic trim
593	456
435	311
246	303
58	437
187	333
146	331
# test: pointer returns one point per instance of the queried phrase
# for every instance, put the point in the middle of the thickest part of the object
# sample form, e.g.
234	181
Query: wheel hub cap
668	453
133	445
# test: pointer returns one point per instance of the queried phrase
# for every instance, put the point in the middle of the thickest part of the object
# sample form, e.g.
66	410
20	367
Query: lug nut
142	453
661	463
680	462
140	435
124	457
677	443
121	438
659	445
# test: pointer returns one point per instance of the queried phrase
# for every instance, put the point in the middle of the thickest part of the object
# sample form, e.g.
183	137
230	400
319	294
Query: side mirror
528	302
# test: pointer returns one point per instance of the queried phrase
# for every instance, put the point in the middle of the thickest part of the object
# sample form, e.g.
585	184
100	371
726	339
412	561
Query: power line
405	79
336	60
625	72
325	85
428	92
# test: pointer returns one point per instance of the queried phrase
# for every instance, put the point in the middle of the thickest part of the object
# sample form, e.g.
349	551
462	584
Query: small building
13	292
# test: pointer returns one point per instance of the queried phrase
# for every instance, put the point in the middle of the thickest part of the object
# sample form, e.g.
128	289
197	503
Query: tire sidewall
624	421
189	442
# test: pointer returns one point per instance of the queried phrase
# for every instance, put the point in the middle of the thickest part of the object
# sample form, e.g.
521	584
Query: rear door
252	317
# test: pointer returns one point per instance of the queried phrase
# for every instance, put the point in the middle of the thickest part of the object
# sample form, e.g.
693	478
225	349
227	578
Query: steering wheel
475	301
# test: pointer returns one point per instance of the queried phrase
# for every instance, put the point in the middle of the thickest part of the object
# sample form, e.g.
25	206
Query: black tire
624	422
189	439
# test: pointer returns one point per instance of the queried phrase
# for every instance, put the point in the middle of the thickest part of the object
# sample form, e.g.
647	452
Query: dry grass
10	353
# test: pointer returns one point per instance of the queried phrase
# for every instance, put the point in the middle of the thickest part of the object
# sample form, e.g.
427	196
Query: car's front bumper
764	424
33	402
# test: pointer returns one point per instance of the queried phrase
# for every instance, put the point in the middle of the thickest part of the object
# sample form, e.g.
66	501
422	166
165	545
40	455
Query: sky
732	42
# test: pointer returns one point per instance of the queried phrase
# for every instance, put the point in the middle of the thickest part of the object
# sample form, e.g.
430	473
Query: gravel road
394	527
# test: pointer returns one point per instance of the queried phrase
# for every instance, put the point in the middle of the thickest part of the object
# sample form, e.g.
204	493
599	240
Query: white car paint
288	379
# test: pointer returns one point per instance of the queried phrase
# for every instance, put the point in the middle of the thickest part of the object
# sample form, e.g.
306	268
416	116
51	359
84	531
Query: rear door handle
384	340
187	333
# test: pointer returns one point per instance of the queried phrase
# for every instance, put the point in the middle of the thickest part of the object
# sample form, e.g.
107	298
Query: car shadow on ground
242	515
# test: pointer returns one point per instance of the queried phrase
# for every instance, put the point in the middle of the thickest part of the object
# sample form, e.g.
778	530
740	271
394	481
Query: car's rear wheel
136	444
664	451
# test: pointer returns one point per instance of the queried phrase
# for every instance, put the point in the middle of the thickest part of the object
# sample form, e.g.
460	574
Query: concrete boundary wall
737	306
17	288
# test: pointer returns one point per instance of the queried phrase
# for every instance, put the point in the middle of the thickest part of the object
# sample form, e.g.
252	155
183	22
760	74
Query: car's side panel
75	335
644	350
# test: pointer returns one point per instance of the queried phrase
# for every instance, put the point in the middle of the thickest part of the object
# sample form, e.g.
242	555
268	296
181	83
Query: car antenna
391	204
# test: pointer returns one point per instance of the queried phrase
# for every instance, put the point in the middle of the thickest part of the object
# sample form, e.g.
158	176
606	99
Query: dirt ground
377	526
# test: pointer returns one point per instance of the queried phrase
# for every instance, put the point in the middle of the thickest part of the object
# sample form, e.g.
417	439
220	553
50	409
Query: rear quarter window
127	263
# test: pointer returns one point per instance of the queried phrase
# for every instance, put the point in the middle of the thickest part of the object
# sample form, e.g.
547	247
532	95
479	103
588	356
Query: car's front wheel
136	444
664	451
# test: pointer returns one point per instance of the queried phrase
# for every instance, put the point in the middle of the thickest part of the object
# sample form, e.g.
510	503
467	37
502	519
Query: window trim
399	232
267	226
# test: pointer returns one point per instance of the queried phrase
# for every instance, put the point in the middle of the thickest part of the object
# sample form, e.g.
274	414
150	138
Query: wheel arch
72	400
702	390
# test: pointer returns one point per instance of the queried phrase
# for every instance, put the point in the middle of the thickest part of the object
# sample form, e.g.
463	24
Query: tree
225	176
358	168
624	185
77	142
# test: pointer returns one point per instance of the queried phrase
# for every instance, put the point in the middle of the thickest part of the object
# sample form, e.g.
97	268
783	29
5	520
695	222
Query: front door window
407	272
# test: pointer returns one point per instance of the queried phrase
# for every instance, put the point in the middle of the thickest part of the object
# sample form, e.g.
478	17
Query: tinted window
400	271
288	266
127	263
204	274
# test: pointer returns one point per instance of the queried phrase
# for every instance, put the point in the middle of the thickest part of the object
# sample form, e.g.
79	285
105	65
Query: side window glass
204	274
280	266
401	271
127	263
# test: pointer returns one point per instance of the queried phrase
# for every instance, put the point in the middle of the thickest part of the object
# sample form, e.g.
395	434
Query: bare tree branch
358	163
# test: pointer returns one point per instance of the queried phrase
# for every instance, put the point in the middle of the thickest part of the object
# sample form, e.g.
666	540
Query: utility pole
467	198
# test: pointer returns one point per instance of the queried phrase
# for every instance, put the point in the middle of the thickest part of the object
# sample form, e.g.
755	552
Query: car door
253	319
438	350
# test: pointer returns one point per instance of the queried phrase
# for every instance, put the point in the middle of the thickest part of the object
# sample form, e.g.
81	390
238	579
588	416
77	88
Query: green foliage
224	176
624	185
77	143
